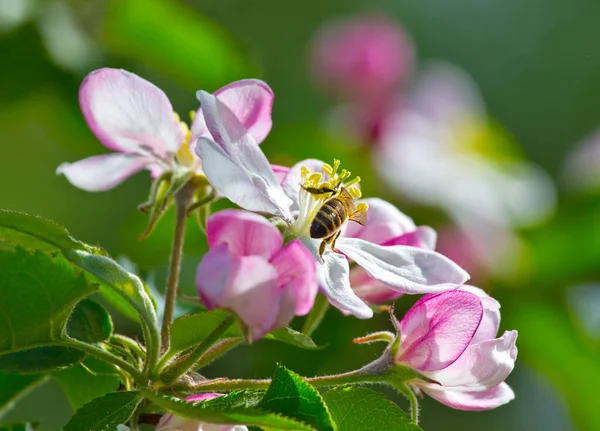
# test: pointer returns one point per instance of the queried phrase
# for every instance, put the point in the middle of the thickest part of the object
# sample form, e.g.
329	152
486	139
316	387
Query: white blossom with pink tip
451	338
135	119
238	169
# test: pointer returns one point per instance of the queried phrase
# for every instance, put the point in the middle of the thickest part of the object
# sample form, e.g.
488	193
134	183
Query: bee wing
359	217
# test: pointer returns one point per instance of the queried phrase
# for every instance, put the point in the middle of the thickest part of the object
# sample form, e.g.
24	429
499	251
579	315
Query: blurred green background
538	67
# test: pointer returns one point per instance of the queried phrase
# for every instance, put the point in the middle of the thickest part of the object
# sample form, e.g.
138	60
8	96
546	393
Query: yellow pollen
354	191
192	116
327	168
304	171
362	207
315	177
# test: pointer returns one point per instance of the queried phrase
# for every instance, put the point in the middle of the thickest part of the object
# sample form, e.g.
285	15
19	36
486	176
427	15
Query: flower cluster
322	236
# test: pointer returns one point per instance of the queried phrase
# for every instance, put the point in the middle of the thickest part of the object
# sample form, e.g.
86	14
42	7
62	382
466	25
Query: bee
334	212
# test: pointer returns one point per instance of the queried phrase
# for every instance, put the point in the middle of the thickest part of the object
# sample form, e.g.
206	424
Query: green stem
183	198
412	398
129	343
314	318
179	368
333	380
97	351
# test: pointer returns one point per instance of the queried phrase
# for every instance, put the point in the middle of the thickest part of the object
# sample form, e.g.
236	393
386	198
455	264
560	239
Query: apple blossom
439	149
134	118
172	422
363	60
362	57
581	170
249	272
238	169
450	338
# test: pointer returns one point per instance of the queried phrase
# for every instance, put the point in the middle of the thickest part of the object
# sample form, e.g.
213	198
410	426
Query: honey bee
334	212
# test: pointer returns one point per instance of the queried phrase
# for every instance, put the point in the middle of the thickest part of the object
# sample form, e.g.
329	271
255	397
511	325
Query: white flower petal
333	274
404	269
240	186
243	154
99	173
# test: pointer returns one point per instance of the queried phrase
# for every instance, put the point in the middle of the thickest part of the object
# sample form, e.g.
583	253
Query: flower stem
412	398
314	318
179	368
99	352
183	199
356	376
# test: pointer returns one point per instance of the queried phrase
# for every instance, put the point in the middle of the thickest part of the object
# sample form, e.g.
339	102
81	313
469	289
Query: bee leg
322	249
335	237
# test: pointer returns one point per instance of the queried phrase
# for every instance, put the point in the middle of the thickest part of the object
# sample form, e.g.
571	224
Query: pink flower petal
128	113
491	315
438	329
481	366
384	222
369	289
245	285
245	233
474	401
296	271
280	172
250	100
99	173
421	237
404	269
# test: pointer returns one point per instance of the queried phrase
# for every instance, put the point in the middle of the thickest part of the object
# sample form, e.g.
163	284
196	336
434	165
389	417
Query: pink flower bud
450	338
249	272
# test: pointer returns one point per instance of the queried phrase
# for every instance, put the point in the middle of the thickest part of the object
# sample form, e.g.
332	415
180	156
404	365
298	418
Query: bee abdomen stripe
336	208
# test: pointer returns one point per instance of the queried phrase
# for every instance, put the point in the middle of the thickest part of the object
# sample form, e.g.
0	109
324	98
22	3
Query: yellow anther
354	191
177	117
304	171
327	169
336	165
362	207
192	115
353	181
315	177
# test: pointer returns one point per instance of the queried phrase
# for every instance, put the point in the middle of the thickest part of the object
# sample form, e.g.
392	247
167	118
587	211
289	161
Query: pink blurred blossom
451	338
361	58
250	272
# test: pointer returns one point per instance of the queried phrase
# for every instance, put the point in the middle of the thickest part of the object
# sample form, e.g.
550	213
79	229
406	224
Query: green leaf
37	233
288	336
360	409
41	359
21	426
88	380
235	408
105	413
292	396
191	329
178	31
37	295
13	386
90	322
